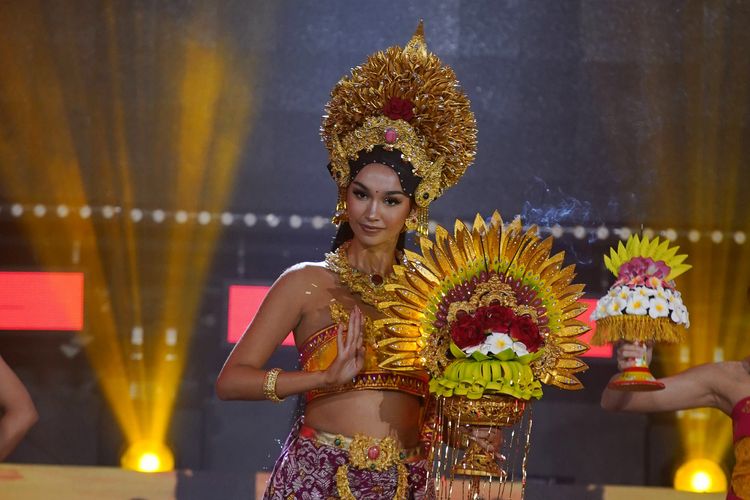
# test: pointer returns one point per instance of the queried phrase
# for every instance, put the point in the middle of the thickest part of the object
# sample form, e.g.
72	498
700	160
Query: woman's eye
392	201
360	194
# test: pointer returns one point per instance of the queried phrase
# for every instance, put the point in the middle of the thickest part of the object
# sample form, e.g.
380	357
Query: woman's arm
19	413
242	376
689	389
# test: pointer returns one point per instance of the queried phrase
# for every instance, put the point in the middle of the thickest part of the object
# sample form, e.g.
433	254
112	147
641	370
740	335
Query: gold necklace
371	287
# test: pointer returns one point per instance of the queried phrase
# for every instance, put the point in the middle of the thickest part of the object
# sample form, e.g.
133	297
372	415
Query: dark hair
391	158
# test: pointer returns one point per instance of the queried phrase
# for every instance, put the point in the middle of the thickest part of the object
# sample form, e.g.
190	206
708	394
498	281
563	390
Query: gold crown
404	99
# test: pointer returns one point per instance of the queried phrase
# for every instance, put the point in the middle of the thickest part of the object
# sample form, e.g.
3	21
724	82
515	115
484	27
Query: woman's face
376	204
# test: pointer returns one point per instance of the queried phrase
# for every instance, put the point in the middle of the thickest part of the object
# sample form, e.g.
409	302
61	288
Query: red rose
523	329
466	332
399	109
497	318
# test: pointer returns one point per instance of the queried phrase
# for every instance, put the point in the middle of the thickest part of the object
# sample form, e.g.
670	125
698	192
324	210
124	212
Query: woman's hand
350	357
489	439
631	354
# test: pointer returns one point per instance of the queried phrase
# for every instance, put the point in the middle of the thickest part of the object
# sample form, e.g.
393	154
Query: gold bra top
319	351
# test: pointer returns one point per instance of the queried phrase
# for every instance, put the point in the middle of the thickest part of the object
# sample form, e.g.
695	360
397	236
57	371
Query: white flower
615	307
677	316
470	350
520	348
624	293
613	292
601	308
658	308
645	292
496	343
637	305
663	293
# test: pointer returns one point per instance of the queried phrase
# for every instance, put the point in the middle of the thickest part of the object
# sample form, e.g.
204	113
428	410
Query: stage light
227	218
602	233
319	222
62	211
181	216
739	237
556	231
136	214
40	210
250	220
717	236
295	221
625	233
108	211
579	232
158	215
694	235
272	220
16	210
148	456
204	218
84	212
670	234
700	476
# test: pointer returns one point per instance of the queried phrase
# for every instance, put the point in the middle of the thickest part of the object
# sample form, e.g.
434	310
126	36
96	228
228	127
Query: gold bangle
269	385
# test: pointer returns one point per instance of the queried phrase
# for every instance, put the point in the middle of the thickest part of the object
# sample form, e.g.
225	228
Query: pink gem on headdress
391	135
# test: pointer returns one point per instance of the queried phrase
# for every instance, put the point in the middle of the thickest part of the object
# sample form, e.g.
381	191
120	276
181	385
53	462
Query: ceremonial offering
642	306
490	314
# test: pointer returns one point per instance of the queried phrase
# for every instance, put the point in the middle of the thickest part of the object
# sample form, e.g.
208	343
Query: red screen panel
41	301
244	302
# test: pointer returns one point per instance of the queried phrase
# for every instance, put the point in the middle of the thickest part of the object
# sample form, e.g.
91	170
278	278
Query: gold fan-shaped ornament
489	263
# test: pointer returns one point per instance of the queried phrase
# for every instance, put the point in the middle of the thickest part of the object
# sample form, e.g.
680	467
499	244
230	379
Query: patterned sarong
306	470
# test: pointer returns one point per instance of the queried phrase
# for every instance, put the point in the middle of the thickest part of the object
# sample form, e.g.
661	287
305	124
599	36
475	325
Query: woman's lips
370	229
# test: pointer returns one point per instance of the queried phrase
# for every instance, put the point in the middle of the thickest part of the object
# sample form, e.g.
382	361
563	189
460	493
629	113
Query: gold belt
366	453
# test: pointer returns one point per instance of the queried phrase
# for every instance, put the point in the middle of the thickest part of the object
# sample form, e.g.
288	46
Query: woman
399	132
724	385
17	411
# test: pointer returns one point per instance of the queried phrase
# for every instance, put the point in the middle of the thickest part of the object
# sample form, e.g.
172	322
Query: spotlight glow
148	456
40	210
16	210
250	220
62	211
204	218
84	212
700	476
181	216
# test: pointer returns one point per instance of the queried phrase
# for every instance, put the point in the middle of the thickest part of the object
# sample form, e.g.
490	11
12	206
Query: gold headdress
403	99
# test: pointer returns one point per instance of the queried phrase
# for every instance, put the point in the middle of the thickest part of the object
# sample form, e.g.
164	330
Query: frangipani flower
496	343
658	308
615	307
637	305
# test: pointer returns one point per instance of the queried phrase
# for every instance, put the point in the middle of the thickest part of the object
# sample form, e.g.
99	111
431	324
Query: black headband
390	158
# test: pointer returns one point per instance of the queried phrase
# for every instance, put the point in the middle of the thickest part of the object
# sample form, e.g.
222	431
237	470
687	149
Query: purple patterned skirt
306	470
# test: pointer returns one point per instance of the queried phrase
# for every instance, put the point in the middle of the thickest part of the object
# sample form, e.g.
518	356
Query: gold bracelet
269	385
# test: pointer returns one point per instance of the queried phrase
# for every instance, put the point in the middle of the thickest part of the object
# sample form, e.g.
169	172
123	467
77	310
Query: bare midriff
371	412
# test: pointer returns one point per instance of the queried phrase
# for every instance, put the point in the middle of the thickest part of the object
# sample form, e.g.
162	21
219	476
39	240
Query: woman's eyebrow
387	193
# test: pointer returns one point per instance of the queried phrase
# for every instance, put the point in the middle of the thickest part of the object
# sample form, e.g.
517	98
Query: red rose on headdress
523	329
497	318
466	332
399	109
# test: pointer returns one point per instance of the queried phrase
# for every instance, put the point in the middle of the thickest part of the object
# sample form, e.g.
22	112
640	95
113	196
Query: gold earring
411	223
340	214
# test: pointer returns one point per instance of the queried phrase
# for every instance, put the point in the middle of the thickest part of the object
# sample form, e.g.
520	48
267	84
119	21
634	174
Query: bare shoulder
306	276
306	271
